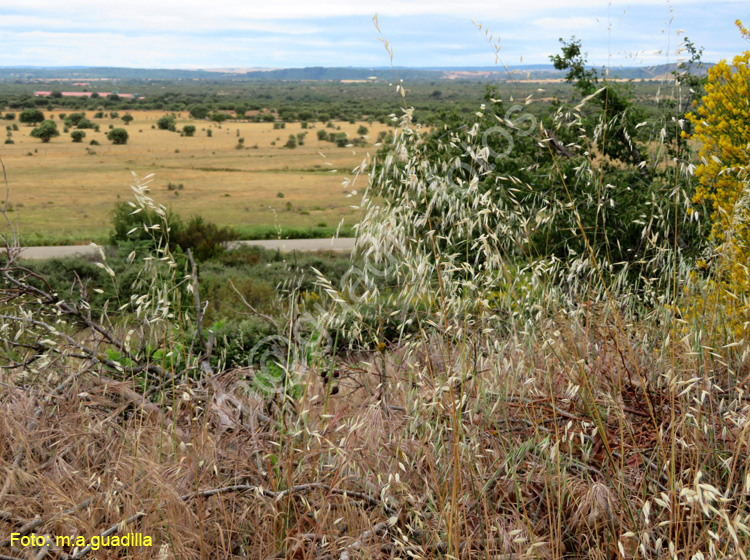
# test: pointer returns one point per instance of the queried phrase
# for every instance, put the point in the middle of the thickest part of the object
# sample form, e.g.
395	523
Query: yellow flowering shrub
722	127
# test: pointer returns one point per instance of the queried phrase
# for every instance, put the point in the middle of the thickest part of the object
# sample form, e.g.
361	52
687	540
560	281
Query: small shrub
205	239
46	131
167	122
118	136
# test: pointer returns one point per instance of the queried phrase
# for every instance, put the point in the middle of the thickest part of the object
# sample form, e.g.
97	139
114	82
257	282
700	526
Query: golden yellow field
67	190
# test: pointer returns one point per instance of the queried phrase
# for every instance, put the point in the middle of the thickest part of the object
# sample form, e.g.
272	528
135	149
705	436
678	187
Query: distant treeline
318	73
269	100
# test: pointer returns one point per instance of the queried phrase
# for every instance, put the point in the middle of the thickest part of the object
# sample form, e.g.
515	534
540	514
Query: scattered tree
31	116
167	122
78	135
188	130
118	136
198	111
127	119
46	131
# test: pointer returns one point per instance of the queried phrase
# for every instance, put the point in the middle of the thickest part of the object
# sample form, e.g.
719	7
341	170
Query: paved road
342	245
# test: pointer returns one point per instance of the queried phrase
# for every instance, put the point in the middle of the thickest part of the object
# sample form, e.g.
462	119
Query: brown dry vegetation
64	190
558	451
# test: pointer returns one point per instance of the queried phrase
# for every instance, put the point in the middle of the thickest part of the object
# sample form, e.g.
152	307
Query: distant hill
530	71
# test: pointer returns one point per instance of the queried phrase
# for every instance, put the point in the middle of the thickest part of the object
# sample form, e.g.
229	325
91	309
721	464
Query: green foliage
127	118
188	130
74	118
30	116
237	339
198	111
291	143
133	228
78	135
86	123
573	60
167	122
219	117
205	239
46	131
118	136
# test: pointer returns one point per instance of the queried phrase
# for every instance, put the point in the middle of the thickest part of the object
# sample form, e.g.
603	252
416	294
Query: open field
65	189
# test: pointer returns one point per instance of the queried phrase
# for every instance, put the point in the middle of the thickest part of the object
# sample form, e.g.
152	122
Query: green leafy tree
31	116
198	111
85	123
621	141
118	136
218	117
205	239
127	119
188	130
167	122
74	118
78	135
46	131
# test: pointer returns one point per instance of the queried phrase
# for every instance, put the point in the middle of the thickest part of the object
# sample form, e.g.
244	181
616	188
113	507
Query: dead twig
378	529
251	308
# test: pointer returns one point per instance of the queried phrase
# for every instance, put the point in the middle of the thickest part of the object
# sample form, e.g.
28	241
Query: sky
300	33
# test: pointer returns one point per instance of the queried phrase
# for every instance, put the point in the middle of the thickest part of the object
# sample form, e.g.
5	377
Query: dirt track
285	245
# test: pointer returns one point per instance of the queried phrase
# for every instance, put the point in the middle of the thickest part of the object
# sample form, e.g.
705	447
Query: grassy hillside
66	190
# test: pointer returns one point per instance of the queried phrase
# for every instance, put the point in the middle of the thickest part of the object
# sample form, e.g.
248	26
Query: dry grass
537	409
544	459
63	190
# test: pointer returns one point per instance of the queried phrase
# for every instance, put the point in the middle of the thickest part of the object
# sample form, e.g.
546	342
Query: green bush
128	229
167	122
205	239
85	123
46	131
118	136
237	339
74	118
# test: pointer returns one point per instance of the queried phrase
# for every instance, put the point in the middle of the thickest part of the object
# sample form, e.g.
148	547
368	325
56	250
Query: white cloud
190	33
